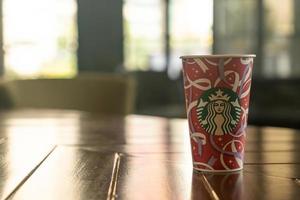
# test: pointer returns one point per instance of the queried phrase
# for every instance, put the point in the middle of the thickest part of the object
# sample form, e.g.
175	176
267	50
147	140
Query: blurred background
144	39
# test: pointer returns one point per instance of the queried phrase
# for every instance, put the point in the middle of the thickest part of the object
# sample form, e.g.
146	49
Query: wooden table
46	154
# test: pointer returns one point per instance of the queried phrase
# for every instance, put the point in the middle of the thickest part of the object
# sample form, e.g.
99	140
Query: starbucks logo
218	111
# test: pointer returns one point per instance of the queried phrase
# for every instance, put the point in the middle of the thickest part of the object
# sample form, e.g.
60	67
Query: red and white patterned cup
217	91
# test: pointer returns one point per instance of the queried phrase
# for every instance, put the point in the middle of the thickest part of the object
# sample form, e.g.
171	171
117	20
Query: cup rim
220	56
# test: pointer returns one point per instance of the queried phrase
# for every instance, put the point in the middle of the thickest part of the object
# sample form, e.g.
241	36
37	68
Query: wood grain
245	185
17	160
290	171
70	173
133	157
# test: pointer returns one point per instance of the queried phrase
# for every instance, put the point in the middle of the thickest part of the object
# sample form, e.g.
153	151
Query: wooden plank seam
114	178
213	195
28	175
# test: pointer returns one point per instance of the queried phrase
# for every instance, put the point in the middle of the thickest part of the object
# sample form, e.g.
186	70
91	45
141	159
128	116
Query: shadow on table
226	186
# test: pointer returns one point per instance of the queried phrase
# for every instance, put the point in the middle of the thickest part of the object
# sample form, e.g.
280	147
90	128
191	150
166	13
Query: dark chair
275	102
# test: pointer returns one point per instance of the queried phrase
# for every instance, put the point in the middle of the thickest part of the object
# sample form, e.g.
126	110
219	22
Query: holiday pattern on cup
217	95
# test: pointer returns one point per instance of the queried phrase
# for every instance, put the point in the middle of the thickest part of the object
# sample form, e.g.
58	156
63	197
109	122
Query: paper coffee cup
217	91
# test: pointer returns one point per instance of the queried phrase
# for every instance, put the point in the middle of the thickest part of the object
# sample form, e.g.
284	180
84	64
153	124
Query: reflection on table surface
47	154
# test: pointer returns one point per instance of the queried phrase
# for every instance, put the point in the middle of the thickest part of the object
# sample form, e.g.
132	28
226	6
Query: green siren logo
218	111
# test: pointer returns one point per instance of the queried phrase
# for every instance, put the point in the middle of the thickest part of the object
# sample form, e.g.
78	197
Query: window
268	28
235	26
143	47
40	38
190	28
279	30
191	24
